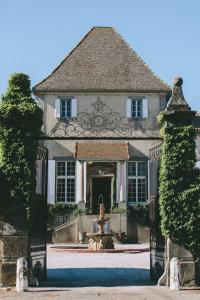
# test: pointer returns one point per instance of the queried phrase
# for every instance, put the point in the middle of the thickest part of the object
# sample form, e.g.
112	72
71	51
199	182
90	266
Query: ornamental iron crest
99	121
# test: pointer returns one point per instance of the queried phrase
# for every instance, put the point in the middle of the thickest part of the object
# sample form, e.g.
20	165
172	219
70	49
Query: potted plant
120	235
79	212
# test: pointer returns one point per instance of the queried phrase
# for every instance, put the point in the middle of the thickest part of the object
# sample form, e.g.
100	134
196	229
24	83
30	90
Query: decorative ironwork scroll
99	121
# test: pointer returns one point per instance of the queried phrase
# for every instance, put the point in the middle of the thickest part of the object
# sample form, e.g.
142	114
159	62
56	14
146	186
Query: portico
101	174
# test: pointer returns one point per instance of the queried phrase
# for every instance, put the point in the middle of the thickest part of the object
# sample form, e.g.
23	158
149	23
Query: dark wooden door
101	191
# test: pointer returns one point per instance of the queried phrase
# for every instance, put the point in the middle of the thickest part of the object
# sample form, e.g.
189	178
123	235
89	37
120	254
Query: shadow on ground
107	277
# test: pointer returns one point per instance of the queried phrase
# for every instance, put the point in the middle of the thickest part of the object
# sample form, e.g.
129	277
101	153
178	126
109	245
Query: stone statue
101	211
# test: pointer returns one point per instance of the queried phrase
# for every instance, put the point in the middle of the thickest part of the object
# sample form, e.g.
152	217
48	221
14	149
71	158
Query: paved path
99	277
103	293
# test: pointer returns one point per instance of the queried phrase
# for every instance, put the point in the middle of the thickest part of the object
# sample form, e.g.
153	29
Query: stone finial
177	101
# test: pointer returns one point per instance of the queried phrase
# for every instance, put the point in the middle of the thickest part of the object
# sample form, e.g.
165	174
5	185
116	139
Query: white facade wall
116	103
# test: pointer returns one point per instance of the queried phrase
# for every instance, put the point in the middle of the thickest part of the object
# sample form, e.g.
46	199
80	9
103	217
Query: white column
122	182
148	177
84	181
79	180
118	180
125	180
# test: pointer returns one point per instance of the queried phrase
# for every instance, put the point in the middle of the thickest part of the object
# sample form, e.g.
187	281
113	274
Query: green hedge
139	213
59	209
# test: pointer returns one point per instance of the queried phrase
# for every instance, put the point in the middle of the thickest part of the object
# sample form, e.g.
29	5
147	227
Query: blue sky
35	35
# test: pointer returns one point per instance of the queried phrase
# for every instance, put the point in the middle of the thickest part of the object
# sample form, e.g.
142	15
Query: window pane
60	194
63	113
66	108
132	168
71	168
141	168
131	190
70	190
61	168
133	108
139	108
141	190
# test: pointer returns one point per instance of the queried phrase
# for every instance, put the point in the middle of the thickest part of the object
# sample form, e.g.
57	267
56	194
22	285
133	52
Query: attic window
136	108
66	108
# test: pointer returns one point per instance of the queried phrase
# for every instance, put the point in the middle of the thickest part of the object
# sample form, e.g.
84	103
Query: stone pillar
12	246
22	275
186	263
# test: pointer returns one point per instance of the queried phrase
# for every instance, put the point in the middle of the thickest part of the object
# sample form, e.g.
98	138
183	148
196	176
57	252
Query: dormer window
66	108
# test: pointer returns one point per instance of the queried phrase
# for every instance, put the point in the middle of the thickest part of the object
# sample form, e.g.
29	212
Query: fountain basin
98	241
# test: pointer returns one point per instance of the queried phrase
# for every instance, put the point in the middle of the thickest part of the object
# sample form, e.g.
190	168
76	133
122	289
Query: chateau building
100	122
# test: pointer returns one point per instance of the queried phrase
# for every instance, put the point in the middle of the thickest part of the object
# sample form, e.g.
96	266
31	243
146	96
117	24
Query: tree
20	128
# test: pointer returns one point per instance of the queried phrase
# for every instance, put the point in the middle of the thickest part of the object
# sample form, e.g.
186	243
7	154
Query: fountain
100	240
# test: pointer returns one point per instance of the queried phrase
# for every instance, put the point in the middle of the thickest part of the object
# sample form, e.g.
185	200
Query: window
137	187
65	181
66	108
136	108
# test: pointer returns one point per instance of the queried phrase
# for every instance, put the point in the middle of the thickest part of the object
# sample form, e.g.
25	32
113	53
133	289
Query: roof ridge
146	65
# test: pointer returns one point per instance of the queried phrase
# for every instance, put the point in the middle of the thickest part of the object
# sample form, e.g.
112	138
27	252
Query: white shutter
74	108
51	181
145	109
57	108
128	108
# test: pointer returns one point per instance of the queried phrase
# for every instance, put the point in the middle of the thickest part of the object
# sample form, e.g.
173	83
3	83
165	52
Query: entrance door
101	185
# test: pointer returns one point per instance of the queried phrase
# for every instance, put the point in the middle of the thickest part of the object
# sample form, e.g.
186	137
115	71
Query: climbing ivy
179	189
20	128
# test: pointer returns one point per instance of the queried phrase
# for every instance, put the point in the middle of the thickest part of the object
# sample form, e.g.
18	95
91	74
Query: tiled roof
102	61
102	151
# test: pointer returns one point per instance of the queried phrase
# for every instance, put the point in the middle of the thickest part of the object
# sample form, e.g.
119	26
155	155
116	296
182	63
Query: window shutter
145	109
128	108
74	108
51	181
57	108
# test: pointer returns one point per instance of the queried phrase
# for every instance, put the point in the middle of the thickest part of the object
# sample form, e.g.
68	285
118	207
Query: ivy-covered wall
180	182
